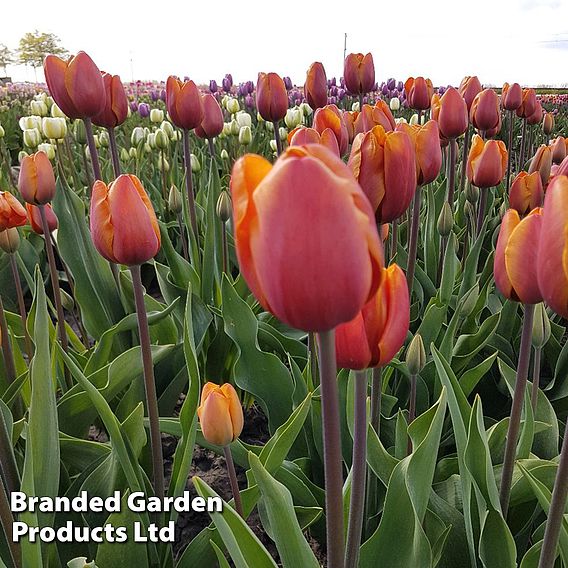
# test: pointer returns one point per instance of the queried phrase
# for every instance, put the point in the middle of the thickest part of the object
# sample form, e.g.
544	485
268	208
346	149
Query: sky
499	40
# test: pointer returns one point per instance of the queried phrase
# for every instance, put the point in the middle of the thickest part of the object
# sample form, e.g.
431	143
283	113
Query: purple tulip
213	86
341	94
288	83
333	100
249	101
133	106
250	87
391	84
144	110
400	85
384	90
163	95
333	91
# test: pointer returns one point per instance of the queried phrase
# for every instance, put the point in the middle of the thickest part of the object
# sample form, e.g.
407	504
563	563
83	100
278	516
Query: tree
6	57
35	46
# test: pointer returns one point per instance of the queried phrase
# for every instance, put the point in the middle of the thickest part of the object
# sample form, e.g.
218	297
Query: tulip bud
394	104
54	128
79	132
32	138
283	133
21	155
56	112
38	108
81	562
132	153
137	136
306	109
175	204
151	140
293	118
224	154
416	355
548	123
103	139
48	148
356	107
235	128
2	132
469	301
163	164
469	209
541	327
542	163
124	155
156	115
471	193
445	220
67	301
168	129
273	145
224	207
220	414
413	119
10	240
245	136
161	139
232	105
243	119
195	163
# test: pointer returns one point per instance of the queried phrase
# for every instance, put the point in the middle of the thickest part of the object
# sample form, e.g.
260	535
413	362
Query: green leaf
496	545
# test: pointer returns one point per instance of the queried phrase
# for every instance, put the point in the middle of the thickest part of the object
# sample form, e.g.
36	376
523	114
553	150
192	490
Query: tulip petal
351	344
215	419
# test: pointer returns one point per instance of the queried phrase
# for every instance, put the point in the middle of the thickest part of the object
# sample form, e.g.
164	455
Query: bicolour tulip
300	266
12	213
331	117
542	163
548	123
469	88
115	110
426	139
124	227
271	97
35	218
511	96
419	92
359	73
37	180
349	118
220	414
315	87
183	101
212	122
552	255
370	116
528	103
486	162
384	164
485	114
302	135
450	111
537	116
526	193
558	150
378	331
76	85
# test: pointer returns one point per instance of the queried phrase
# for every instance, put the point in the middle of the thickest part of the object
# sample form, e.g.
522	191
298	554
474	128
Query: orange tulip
548	123
542	162
427	148
485	113
271	97
359	73
300	266
511	96
37	180
469	87
35	218
12	213
526	193
528	103
486	162
370	116
183	101
331	117
349	117
76	85
537	116
419	92
315	87
384	164
220	414
212	122
124	227
302	135
378	331
450	111
115	110
552	255
515	264
558	150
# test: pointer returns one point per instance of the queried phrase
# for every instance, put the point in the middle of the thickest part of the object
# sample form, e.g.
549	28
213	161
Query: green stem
510	148
411	408
516	409
333	462
72	167
189	183
233	480
7	521
8	465
451	175
523	141
92	151
465	152
21	305
149	383
376	398
411	266
9	364
225	247
114	152
183	239
277	138
313	354
482	207
394	240
358	472
536	378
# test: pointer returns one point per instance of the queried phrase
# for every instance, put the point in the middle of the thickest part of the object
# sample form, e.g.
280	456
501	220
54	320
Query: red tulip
548	123
315	87
124	227
12	213
526	192
515	264
450	111
331	117
37	180
302	135
184	104
558	150
485	113
528	103
212	123
537	116
115	110
542	163
271	97
511	96
359	73
486	162
76	85
469	87
300	266
35	218
419	92
370	116
378	331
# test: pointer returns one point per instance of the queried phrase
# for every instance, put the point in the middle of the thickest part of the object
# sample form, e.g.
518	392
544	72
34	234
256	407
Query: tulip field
263	324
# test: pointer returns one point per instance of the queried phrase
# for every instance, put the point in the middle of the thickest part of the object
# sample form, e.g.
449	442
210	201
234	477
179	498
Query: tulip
10	243
212	123
542	163
486	162
12	213
370	116
35	218
282	195
349	119
526	192
123	223
76	85
511	96
220	414
450	111
384	165
244	119
528	103
394	104
315	87
184	103
468	89
359	73
558	150
548	123
302	135
331	117
156	115
419	92
37	180
32	137
48	149
537	116
245	136
54	128
485	114
115	111
271	97
233	106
